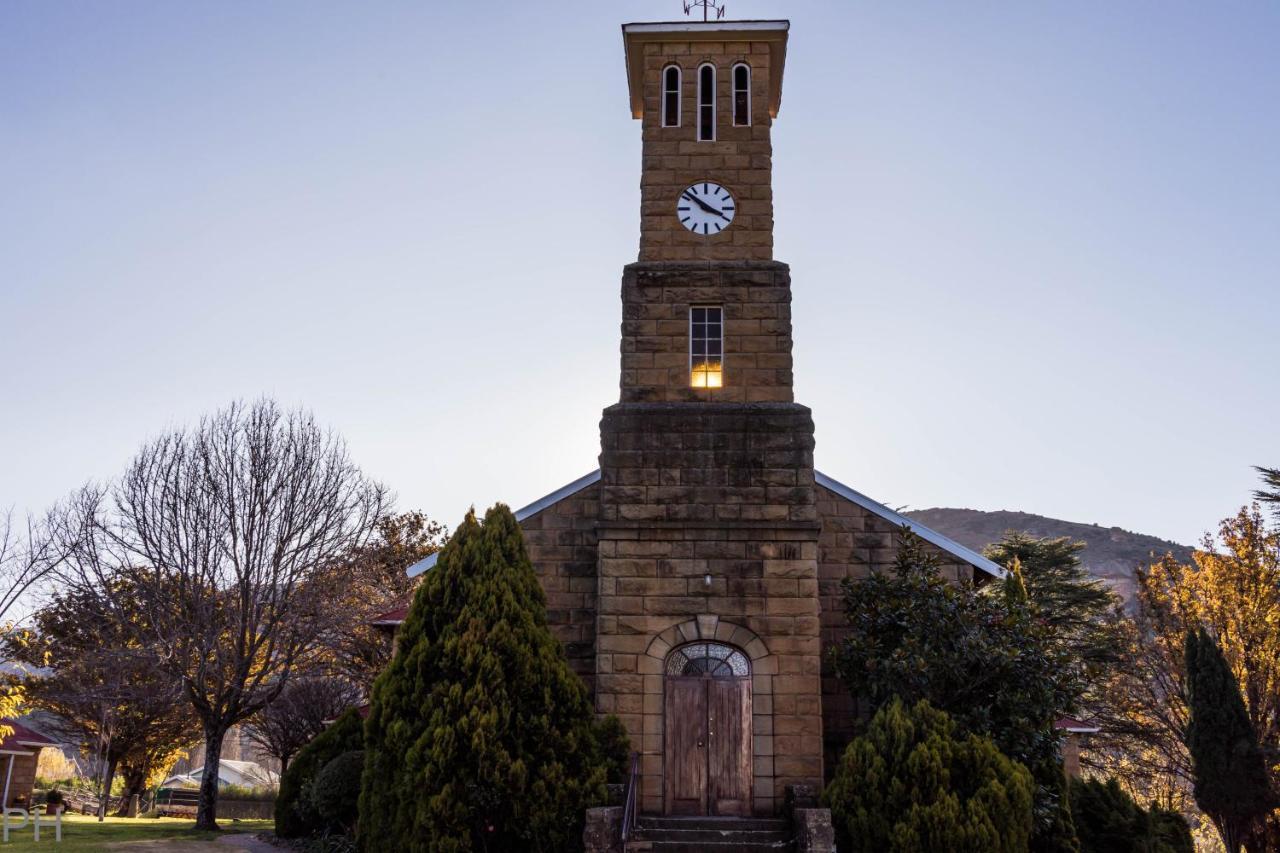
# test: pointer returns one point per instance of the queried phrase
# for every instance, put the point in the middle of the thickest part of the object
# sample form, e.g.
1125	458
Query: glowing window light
706	346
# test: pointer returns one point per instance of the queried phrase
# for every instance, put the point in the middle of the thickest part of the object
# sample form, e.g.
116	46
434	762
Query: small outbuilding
19	754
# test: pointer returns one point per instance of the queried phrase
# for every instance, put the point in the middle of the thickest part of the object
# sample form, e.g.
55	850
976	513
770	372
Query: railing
629	798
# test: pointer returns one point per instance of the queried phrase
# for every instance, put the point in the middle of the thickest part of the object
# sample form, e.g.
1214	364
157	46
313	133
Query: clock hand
700	203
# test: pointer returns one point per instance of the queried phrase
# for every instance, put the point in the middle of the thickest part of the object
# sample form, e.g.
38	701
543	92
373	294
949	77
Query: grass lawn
82	833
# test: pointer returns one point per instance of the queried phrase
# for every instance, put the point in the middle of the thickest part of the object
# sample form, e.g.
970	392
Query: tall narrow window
707	103
741	94
671	96
706	346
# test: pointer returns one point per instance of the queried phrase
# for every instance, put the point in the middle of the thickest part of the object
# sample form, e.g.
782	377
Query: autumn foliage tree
480	737
1231	588
103	685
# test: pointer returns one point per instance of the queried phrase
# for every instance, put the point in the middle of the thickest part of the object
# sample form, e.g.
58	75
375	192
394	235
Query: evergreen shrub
480	737
294	815
1109	821
335	792
913	783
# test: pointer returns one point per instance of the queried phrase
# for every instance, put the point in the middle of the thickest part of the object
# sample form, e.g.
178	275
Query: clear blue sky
1035	247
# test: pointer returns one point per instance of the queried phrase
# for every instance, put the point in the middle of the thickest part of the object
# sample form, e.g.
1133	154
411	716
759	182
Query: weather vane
708	6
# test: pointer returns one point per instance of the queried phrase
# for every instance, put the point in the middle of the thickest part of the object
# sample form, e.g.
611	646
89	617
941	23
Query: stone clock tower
708	531
694	579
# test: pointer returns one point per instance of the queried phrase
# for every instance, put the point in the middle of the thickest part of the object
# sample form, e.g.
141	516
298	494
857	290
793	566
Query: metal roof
952	547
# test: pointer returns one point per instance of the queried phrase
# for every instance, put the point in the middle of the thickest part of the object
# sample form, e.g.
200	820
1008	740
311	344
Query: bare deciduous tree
231	533
298	714
26	557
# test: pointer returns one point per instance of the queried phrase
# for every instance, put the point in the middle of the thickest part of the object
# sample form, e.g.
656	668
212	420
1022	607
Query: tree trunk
135	781
284	763
104	794
207	810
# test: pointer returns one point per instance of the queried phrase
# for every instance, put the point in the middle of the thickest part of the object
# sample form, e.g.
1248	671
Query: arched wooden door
707	725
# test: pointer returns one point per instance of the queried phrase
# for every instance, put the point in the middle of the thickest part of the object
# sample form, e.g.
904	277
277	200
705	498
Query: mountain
1110	553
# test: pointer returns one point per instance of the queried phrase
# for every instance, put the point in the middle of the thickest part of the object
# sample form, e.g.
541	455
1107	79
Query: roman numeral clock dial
705	208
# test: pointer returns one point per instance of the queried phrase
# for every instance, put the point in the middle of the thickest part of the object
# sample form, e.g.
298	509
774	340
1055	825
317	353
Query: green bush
335	791
913	783
480	737
615	749
294	817
1109	821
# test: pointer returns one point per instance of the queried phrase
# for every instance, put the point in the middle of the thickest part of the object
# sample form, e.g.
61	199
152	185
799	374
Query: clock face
705	208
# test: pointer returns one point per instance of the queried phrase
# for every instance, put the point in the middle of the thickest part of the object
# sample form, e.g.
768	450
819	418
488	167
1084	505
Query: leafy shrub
1109	821
293	813
913	783
984	656
335	791
480	736
615	749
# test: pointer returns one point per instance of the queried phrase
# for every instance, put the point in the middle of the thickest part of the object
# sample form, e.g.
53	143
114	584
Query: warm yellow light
707	376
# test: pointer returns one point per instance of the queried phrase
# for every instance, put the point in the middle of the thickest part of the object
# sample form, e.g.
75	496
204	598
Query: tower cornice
634	36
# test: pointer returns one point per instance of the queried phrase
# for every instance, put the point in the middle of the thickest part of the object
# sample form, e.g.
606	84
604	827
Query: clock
705	208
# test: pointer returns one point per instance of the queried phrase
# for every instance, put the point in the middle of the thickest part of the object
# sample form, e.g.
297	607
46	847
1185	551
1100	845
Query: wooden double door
707	760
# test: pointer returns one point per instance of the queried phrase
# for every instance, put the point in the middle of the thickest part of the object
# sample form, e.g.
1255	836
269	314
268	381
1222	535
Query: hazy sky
1035	247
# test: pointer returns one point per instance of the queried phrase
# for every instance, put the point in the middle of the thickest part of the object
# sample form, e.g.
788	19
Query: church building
694	578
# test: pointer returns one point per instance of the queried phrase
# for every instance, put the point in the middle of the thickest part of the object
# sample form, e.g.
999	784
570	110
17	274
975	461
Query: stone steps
711	834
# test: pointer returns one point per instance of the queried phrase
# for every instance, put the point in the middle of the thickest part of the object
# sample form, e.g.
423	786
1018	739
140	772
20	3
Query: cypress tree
480	737
1228	766
913	783
293	812
1109	821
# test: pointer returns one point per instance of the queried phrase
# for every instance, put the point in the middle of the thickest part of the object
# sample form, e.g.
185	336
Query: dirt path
230	843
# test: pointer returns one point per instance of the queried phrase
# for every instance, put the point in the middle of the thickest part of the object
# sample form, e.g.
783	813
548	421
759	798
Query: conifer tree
294	814
913	783
1228	767
480	737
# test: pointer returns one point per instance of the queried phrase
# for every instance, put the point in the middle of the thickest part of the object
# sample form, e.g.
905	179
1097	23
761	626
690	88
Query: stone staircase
711	835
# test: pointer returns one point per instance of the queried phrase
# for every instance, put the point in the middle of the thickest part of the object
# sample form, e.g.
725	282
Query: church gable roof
929	535
950	546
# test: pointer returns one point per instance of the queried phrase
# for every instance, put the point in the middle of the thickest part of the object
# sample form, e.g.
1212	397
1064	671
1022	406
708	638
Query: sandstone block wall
741	158
727	491
756	298
562	545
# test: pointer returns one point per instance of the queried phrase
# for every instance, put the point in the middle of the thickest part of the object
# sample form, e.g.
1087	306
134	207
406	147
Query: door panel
729	746
686	753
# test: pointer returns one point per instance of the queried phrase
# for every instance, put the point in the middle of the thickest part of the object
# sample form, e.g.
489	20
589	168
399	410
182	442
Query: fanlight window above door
712	660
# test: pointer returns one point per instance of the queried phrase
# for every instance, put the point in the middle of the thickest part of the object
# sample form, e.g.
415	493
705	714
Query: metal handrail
629	798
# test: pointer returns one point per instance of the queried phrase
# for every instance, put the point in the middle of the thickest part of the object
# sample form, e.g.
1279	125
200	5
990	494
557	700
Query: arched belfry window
708	660
671	96
707	103
741	94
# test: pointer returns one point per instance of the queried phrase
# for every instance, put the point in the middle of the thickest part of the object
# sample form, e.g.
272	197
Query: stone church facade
694	578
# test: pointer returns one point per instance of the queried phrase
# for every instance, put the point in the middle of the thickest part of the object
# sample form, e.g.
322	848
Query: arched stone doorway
707	721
